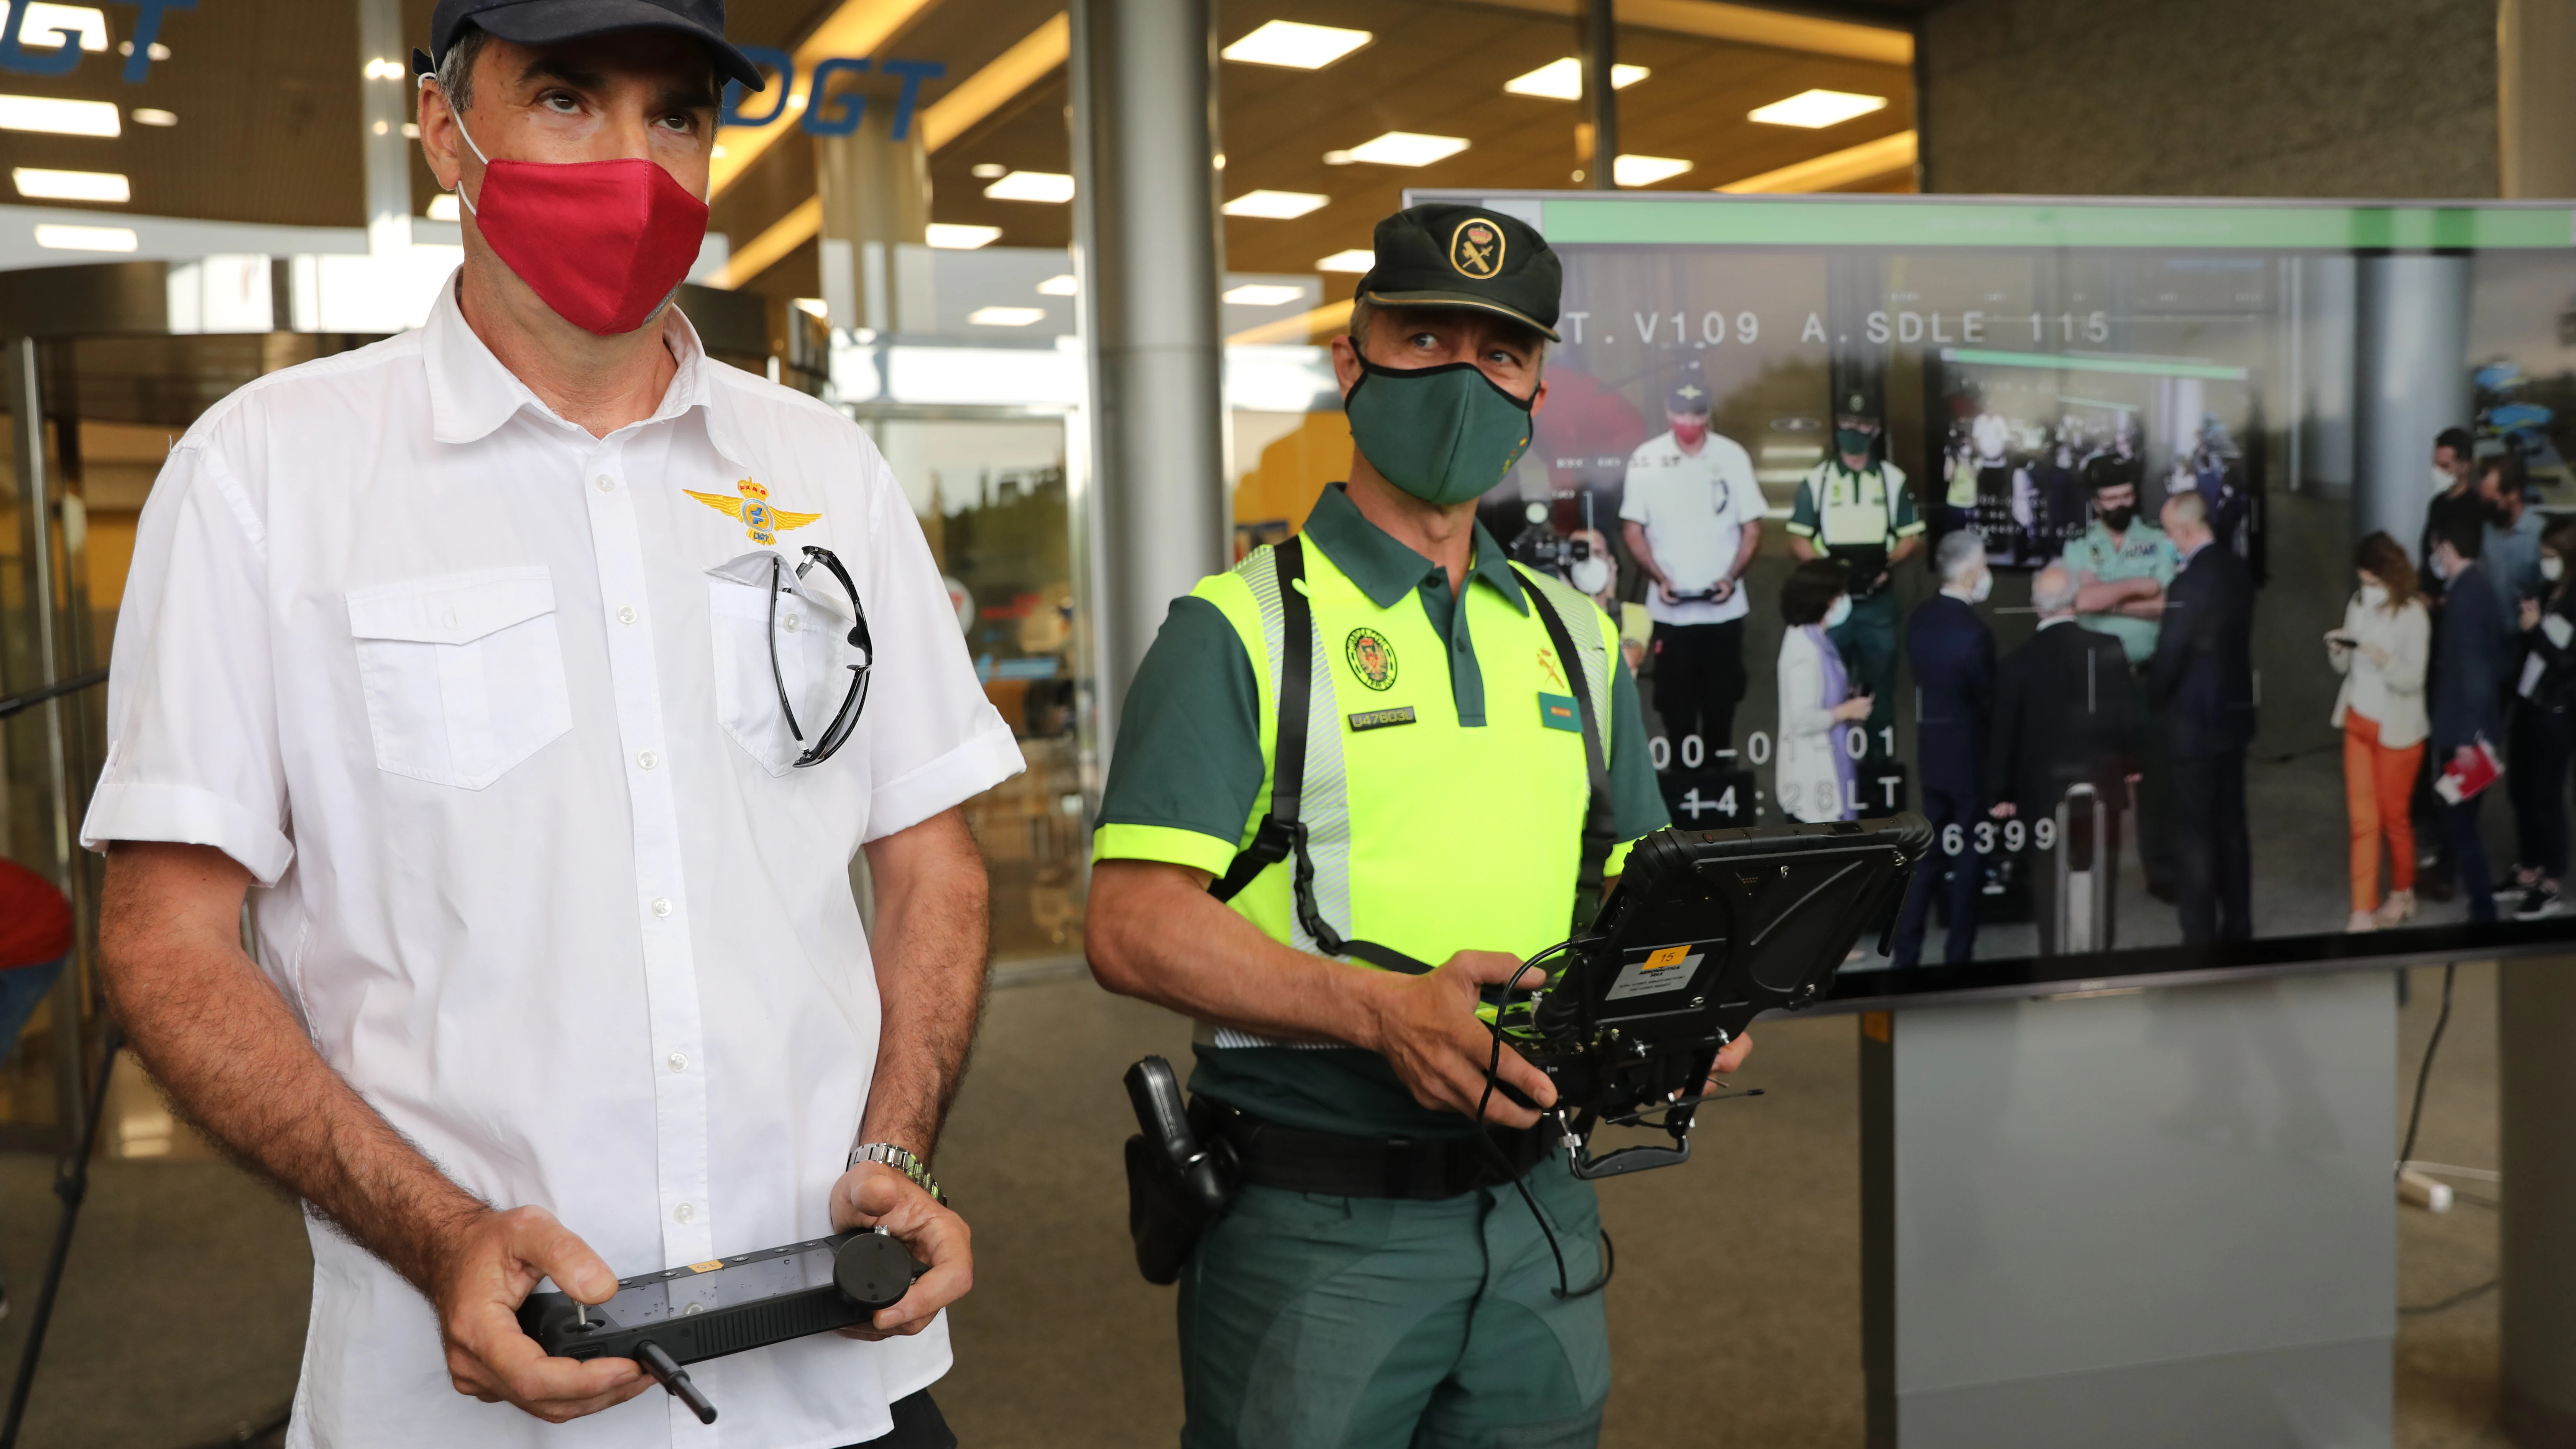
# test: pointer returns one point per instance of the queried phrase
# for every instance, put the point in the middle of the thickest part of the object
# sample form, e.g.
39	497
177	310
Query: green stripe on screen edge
1747	221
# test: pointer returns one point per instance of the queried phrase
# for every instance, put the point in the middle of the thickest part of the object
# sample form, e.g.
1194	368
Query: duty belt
1295	1160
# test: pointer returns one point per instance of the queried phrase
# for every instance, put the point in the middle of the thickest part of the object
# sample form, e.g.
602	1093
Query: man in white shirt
1692	517
483	652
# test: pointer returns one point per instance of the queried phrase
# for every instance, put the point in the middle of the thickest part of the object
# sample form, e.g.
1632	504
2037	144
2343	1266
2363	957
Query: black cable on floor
2454	1301
2424	1073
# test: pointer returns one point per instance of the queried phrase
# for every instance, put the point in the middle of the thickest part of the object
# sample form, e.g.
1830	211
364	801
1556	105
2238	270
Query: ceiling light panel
1005	316
1562	80
1647	170
1263	294
47	185
1059	285
1032	186
952	236
1295	45
445	208
1357	259
45	23
87	238
155	116
1817	109
59	117
1276	205
1407	148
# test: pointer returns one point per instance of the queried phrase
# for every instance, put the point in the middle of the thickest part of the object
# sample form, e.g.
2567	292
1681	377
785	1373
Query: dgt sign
66	51
826	114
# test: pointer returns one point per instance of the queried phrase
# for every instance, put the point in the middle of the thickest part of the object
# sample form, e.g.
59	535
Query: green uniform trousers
1868	643
1317	1322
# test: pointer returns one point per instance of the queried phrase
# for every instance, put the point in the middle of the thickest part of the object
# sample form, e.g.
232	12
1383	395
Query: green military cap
1441	254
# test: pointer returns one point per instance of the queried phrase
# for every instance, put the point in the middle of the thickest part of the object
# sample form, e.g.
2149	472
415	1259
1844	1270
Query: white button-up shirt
460	684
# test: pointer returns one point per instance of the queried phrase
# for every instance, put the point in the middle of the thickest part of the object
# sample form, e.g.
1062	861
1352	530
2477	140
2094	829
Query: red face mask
1690	434
604	243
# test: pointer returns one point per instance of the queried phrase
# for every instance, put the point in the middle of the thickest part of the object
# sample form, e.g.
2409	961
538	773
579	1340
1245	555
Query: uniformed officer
1379	1281
1855	507
2122	564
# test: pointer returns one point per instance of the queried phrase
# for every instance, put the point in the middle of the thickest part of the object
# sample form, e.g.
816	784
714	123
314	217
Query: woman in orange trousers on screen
2381	650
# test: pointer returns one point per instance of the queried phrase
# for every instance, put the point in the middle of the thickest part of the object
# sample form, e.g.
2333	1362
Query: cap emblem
1476	249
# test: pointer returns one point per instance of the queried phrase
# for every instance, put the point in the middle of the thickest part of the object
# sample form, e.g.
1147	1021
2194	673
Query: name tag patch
1378	719
1557	712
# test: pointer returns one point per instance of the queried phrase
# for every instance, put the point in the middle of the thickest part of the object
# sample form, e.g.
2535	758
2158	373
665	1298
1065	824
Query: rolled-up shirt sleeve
192	752
935	740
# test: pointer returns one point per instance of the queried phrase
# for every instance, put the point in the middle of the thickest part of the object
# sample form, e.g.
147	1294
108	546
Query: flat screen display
2242	751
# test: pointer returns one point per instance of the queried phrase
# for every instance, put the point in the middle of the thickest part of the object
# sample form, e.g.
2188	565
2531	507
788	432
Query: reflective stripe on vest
1465	839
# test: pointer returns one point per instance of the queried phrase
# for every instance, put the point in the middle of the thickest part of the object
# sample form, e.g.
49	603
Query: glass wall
989	486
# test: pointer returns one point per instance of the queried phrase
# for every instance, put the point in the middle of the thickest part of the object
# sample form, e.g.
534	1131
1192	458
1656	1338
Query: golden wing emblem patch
760	522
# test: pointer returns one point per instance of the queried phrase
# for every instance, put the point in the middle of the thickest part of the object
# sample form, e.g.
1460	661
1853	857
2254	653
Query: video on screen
2086	555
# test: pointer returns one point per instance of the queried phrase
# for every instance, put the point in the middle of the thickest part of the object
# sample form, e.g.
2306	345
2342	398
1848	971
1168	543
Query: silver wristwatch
901	1160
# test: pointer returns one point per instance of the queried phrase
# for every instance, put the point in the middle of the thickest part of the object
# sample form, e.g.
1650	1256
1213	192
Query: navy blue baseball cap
543	22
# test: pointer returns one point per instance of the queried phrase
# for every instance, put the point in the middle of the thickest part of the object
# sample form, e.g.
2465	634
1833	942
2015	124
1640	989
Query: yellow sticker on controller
1669	956
709	1266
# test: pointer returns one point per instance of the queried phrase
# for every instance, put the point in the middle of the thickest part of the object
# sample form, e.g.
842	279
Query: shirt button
626	615
606	483
648	759
679	1061
683	1213
793	623
662	906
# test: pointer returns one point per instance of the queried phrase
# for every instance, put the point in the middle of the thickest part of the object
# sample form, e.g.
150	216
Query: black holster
1180	1174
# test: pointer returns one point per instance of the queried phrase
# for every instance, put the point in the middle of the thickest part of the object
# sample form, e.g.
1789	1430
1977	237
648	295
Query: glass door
990	486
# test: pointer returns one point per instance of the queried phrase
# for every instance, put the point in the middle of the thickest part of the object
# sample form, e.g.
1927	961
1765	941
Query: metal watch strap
901	1160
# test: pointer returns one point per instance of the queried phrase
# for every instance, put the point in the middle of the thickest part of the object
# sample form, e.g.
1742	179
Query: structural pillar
2410	381
1601	94
875	191
384	105
2535	107
1149	257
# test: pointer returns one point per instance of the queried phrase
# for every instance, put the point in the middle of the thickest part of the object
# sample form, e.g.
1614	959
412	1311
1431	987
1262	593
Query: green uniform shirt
2142	553
1186	786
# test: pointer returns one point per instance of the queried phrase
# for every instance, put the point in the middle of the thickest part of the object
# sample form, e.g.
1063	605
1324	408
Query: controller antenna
667	1371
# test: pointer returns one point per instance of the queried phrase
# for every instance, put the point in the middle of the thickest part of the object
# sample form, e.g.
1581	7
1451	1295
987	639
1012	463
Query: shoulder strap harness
1282	835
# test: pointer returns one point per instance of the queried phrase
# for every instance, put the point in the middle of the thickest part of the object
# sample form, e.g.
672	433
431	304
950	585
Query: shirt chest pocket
464	675
779	646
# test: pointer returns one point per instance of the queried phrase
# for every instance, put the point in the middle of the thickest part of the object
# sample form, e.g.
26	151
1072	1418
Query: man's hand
873	1195
1724	589
1426	1027
1728	1059
489	1269
1664	586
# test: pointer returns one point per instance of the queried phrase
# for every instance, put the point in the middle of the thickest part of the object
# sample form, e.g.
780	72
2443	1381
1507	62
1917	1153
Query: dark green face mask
1443	434
1854	441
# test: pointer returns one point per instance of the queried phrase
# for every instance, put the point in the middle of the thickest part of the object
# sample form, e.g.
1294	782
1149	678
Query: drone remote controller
727	1305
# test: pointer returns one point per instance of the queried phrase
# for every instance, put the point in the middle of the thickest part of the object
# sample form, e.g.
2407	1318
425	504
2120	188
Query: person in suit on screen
2202	675
2468	691
2065	714
1953	653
